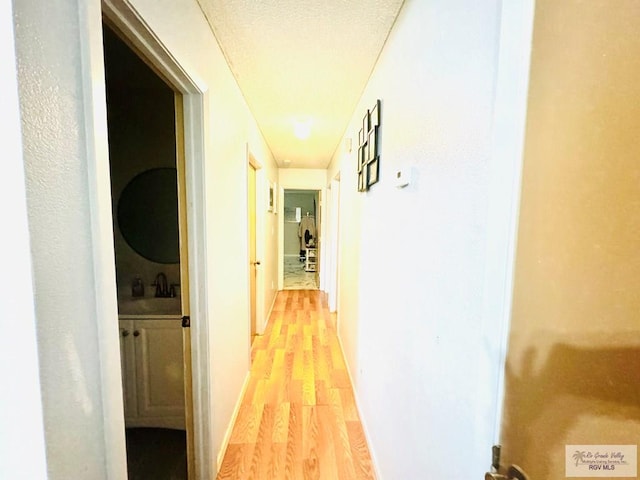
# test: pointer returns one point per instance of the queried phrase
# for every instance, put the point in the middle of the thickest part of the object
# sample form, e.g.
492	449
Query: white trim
194	115
234	417
367	436
332	243
99	193
510	109
125	17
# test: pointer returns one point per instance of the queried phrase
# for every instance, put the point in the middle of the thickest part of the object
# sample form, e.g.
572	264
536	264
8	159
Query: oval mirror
148	215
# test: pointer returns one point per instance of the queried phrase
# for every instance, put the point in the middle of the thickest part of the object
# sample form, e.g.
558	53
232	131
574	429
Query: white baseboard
268	315
374	462
232	422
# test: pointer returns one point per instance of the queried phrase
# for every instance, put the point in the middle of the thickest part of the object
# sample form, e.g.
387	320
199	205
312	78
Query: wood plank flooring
298	418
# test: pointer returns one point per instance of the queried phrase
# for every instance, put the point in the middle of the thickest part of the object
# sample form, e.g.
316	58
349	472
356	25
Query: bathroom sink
149	306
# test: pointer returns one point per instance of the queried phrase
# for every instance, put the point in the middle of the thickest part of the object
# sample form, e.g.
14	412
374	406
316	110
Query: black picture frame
372	145
374	116
369	153
362	180
373	172
362	160
365	123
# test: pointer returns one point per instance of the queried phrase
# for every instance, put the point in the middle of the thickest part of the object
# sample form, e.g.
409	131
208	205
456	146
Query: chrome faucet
162	286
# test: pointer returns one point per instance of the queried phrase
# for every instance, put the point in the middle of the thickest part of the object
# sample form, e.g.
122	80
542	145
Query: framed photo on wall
368	158
373	172
365	124
362	180
273	193
374	116
372	150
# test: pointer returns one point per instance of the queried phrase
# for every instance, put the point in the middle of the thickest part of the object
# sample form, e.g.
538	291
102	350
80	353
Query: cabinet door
128	366
159	370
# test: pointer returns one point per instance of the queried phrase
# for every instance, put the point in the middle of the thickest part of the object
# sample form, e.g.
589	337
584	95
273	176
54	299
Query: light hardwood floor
298	418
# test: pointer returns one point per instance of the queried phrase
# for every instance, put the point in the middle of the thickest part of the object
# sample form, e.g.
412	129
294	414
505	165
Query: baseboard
268	315
232	422
374	462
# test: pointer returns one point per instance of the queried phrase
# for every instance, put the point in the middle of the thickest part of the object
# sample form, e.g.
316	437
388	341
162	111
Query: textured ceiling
301	60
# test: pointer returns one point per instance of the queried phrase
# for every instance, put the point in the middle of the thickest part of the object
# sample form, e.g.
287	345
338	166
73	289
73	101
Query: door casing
123	18
253	261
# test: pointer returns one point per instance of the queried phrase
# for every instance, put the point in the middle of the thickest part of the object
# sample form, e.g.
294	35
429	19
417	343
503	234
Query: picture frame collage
369	149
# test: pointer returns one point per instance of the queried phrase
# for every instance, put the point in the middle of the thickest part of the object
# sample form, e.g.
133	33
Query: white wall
71	301
22	453
415	277
62	99
303	178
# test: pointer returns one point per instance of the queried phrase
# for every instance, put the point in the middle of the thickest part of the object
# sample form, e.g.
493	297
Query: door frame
128	21
505	177
262	187
320	217
332	243
252	243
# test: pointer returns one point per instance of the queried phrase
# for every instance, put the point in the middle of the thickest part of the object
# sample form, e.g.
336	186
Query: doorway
301	239
146	155
253	262
333	218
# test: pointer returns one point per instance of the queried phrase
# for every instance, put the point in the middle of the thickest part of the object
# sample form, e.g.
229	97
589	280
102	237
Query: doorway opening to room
301	239
147	165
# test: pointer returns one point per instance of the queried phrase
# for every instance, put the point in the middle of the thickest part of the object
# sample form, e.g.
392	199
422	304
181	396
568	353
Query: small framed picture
372	150
272	197
361	138
373	171
362	157
374	116
365	124
362	182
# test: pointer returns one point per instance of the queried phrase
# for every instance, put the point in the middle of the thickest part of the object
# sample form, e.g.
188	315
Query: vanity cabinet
152	371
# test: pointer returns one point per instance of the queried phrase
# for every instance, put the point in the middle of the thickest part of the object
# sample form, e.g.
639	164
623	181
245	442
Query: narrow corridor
298	418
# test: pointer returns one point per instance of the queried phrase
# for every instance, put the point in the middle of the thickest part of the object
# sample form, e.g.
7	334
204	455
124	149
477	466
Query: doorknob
514	473
257	262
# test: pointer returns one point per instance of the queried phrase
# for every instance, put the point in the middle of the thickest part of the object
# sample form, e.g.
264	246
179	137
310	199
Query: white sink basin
149	306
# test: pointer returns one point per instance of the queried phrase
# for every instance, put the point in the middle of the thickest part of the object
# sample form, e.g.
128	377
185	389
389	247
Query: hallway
298	418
